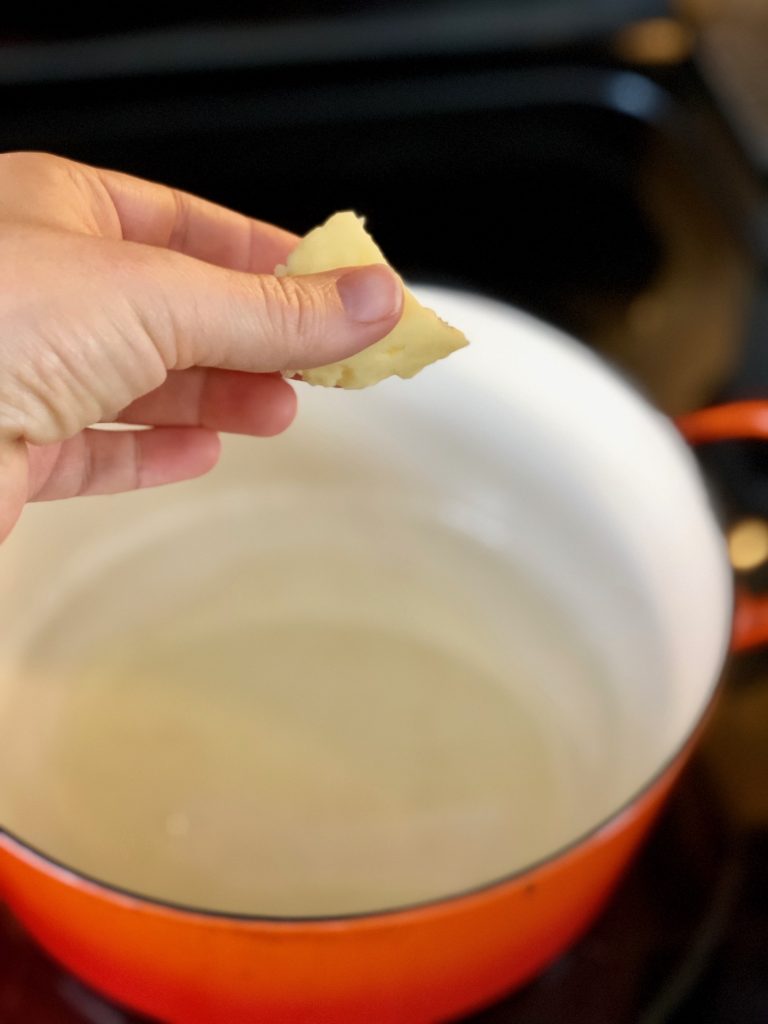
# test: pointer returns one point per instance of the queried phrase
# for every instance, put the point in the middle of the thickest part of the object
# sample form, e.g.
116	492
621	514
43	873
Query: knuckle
181	221
38	407
296	313
155	320
31	165
47	190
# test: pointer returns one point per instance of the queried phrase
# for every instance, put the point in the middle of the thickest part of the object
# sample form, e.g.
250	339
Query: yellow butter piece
420	337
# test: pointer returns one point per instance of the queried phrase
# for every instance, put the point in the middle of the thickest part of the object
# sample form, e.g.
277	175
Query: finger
237	403
162	216
45	189
106	462
206	316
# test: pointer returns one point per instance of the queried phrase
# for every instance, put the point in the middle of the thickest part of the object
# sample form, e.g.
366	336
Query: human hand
122	300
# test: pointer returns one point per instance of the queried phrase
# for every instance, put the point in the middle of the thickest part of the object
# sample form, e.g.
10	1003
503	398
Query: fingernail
370	294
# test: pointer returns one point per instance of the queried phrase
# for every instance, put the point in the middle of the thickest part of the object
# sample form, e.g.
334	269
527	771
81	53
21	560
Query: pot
520	507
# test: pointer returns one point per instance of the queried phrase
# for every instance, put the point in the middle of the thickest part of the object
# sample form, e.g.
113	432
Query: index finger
50	190
166	217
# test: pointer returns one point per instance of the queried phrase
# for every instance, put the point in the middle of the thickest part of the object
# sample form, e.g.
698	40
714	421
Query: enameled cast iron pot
527	442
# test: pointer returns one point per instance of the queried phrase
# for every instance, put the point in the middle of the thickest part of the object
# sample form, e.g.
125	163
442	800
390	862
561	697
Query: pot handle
736	421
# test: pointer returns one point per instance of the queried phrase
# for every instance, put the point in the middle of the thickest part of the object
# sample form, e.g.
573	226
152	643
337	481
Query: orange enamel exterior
431	963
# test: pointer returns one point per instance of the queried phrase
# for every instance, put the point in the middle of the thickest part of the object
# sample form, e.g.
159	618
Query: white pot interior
434	633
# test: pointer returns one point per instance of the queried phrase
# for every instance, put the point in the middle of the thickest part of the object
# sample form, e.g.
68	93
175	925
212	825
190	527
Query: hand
122	300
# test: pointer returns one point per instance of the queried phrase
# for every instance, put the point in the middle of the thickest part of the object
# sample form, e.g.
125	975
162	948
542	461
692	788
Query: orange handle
738	421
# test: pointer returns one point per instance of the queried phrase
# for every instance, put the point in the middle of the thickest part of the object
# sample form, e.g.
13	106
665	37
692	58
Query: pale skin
122	300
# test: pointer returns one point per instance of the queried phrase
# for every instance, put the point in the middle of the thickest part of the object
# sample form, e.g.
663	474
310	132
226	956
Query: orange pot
425	964
630	499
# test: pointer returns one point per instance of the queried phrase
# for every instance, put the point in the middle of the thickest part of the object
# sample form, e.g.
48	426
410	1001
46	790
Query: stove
593	162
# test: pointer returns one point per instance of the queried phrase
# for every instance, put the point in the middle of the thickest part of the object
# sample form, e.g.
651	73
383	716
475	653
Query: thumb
202	315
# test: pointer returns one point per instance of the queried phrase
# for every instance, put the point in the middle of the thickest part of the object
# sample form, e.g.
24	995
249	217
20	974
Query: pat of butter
420	337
